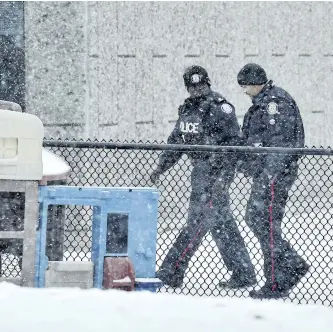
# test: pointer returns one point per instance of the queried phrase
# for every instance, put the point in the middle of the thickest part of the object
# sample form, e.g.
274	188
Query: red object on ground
118	273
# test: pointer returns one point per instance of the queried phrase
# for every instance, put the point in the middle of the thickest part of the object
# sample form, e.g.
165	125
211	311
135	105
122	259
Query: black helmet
195	75
252	74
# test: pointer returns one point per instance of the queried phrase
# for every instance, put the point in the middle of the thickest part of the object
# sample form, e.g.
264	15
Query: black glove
154	177
243	167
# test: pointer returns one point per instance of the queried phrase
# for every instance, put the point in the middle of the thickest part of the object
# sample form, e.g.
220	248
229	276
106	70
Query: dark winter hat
195	75
252	74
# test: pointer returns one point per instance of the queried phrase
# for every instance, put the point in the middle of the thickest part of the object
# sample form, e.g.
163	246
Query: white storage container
21	140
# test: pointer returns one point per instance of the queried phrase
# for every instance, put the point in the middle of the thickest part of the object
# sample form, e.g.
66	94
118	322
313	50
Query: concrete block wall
113	70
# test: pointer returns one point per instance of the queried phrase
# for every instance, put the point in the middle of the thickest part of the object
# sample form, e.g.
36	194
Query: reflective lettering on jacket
189	127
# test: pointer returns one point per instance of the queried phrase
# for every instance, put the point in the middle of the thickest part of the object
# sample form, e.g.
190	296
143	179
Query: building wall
113	70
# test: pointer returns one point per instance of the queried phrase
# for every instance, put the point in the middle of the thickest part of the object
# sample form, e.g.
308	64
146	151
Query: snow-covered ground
70	310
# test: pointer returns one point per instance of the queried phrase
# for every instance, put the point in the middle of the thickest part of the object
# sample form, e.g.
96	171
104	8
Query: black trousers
207	213
265	211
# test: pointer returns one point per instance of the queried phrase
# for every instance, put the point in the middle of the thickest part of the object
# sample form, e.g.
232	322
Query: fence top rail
186	148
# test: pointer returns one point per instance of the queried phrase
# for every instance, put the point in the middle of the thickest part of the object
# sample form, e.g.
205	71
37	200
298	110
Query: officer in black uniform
273	120
206	118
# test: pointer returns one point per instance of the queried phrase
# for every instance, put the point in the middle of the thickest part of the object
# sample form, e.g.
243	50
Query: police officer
273	120
206	118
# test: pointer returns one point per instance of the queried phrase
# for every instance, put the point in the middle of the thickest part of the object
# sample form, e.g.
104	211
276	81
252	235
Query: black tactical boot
269	291
173	280
294	278
238	280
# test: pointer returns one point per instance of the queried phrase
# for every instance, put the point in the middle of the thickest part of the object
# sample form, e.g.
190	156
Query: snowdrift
71	310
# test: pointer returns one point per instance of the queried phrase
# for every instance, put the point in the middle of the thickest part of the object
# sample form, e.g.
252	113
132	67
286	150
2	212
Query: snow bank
70	310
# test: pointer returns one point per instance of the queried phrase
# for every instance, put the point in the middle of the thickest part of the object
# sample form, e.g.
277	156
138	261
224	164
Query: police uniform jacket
273	120
204	120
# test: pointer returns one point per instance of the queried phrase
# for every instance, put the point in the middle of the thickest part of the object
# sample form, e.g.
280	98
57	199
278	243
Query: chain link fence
308	222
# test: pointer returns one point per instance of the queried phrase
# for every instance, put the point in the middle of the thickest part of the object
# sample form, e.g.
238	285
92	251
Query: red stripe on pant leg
272	236
188	246
195	236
